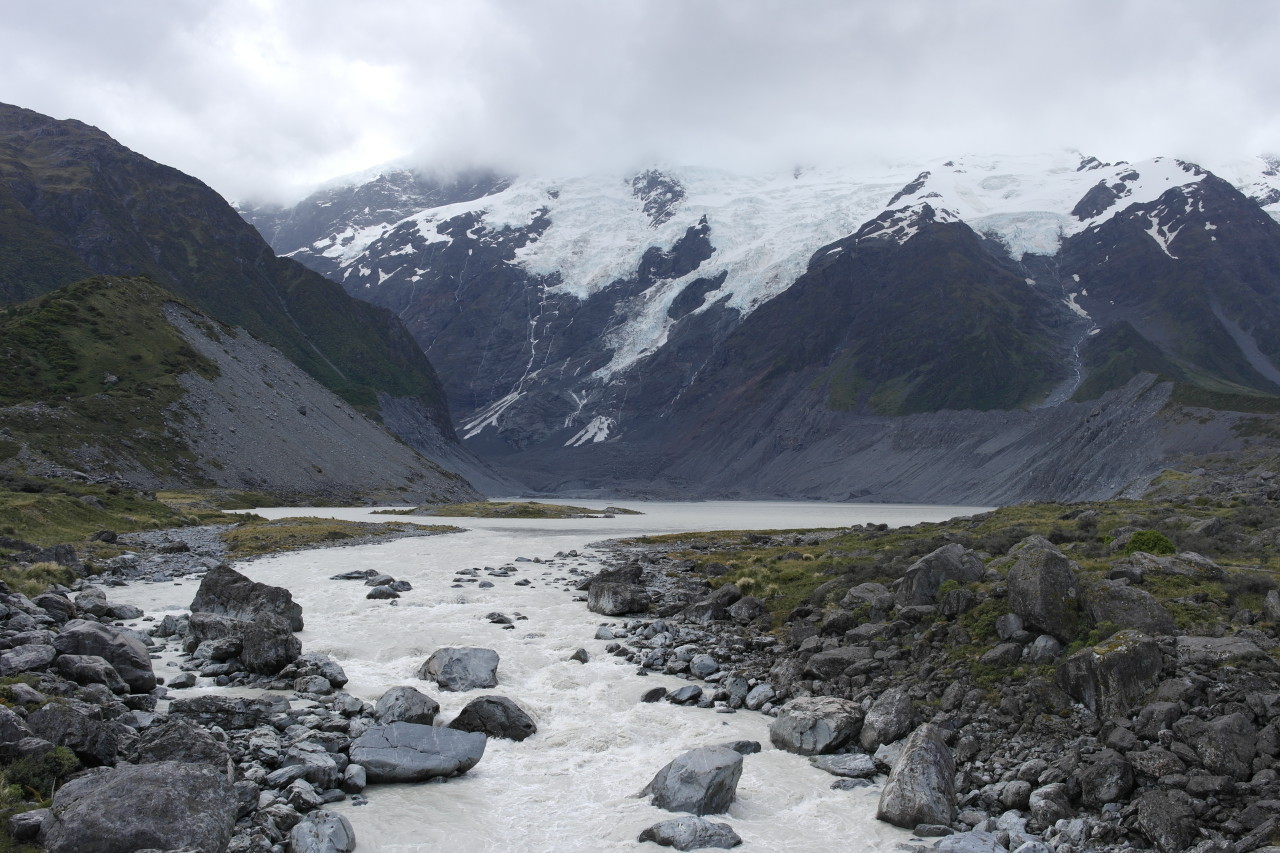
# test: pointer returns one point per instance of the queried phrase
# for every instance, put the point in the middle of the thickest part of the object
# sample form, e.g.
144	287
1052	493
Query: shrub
1150	542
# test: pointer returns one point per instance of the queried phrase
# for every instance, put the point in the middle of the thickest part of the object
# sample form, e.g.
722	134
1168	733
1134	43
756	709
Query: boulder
1108	779
1217	650
921	581
1126	607
814	725
1114	676
124	651
921	786
615	599
78	727
178	740
408	752
406	705
91	669
321	665
1227	745
495	716
833	662
701	781
165	806
226	592
1050	804
889	718
691	833
228	712
33	656
1166	817
58	606
322	831
744	611
1044	591
848	766
267	644
458	669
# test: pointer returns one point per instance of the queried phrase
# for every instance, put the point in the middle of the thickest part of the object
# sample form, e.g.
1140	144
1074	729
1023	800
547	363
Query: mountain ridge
573	312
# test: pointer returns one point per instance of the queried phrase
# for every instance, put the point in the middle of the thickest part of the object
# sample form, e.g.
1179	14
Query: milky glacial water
569	787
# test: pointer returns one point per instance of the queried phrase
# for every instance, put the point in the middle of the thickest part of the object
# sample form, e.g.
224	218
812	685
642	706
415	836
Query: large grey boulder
701	781
1167	818
814	725
322	831
1227	745
495	716
165	806
1217	650
27	658
406	705
889	718
267	644
78	726
1114	676
921	581
226	592
177	739
91	669
691	833
460	669
408	752
1126	606
615	599
1044	591
832	663
120	648
921	786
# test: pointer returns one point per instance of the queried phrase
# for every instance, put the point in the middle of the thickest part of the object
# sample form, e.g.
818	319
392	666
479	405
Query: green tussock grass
256	536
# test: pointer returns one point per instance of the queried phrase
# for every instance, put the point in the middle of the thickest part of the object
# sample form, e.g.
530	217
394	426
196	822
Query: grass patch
509	509
46	511
256	537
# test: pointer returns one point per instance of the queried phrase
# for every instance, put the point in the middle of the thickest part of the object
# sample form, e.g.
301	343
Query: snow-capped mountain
592	313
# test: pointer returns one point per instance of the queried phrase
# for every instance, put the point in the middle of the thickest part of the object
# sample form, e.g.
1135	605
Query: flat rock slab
409	752
1216	650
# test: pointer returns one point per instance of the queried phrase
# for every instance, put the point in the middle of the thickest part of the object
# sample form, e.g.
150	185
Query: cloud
267	97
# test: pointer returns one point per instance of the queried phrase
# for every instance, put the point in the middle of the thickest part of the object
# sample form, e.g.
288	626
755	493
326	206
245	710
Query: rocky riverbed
1011	701
1070	714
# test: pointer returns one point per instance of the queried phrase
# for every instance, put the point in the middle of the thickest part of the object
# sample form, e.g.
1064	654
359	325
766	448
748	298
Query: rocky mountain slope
74	202
149	390
686	330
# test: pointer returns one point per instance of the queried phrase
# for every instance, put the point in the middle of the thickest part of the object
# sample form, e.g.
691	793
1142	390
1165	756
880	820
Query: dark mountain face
75	202
1189	284
656	333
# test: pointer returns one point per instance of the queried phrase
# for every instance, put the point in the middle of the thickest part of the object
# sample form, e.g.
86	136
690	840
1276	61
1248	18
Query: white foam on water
569	787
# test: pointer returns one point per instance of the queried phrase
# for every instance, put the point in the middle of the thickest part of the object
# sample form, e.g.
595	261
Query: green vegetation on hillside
91	369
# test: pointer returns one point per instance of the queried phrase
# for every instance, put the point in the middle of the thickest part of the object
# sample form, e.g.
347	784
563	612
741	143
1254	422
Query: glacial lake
569	788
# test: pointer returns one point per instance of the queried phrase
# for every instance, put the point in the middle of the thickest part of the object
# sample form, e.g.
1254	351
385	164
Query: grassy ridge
788	576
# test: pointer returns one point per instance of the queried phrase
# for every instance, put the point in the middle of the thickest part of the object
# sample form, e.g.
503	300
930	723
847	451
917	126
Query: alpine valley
980	330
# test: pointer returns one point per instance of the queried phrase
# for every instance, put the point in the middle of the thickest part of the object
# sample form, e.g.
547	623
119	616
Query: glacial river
569	787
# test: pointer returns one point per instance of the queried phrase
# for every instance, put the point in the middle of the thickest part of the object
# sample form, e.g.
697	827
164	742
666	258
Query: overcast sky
269	97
